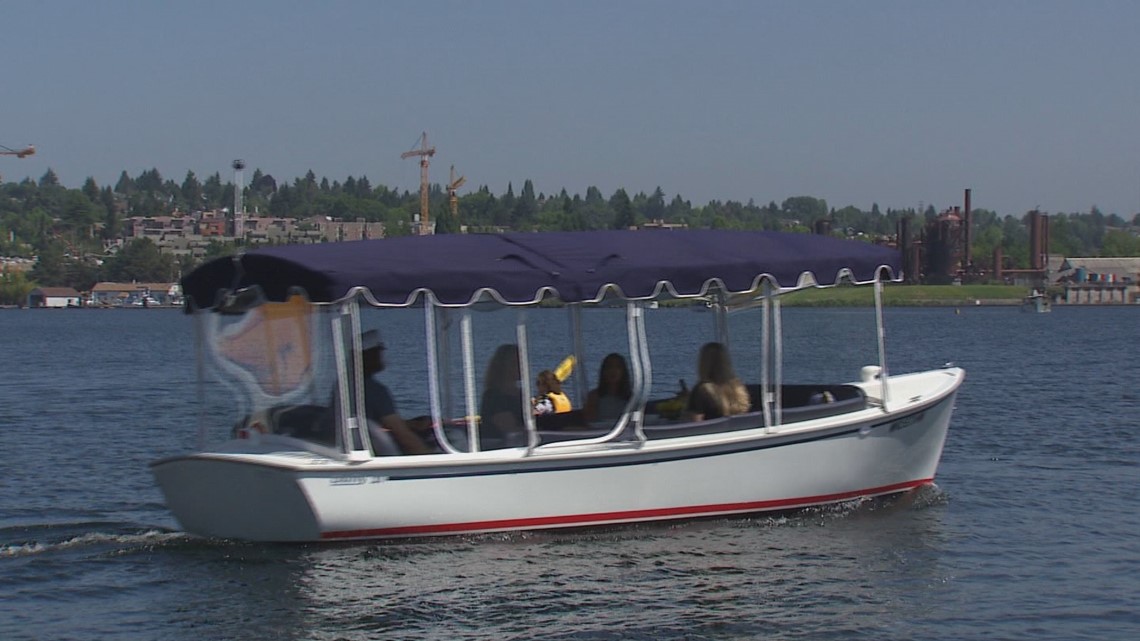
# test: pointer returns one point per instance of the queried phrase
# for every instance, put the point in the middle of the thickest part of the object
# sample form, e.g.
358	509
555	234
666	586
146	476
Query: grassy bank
895	295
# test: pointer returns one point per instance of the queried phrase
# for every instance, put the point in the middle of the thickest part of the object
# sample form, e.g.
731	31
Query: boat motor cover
523	268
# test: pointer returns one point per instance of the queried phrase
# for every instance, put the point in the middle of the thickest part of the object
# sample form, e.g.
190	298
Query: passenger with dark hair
501	407
379	406
607	402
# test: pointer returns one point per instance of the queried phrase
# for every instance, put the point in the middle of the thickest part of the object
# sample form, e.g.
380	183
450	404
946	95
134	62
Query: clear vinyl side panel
277	368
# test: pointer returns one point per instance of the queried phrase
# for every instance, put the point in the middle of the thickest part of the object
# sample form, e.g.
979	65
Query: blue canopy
523	268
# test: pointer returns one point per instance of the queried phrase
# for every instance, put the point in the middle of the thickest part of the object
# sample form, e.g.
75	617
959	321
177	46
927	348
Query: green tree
49	270
112	224
1015	243
79	212
398	222
141	261
214	192
192	195
14	287
444	222
525	208
217	249
680	210
91	189
80	274
655	205
125	185
805	208
49	179
1120	243
624	217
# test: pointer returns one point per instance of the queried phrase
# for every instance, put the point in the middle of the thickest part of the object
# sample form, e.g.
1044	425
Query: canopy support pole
766	355
433	374
637	413
882	336
524	379
777	361
349	366
720	312
443	359
466	343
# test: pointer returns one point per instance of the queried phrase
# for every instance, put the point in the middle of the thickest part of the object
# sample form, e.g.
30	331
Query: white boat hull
259	492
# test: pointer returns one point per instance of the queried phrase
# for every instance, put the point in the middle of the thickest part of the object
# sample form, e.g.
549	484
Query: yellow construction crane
19	153
424	152
452	185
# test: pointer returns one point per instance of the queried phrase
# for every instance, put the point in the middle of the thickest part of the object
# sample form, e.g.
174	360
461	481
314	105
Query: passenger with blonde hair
718	391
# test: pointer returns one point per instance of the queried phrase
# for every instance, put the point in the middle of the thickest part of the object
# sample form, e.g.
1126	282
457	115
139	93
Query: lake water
1032	532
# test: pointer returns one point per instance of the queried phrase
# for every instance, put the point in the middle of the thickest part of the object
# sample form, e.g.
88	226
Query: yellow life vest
560	401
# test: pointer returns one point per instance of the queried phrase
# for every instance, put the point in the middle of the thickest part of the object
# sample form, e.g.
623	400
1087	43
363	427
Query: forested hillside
76	234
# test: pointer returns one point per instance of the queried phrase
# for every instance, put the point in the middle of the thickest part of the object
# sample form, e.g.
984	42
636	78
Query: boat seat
806	402
316	423
309	422
800	403
574	419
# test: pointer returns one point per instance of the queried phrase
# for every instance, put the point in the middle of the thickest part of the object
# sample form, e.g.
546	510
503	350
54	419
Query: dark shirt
495	403
378	401
702	401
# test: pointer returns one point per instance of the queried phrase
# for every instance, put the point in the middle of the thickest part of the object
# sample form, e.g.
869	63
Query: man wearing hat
378	403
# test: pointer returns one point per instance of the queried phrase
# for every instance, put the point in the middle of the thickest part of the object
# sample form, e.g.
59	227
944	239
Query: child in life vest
550	399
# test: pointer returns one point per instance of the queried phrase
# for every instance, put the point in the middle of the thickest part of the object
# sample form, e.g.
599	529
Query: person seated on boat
550	399
379	406
607	401
718	391
501	406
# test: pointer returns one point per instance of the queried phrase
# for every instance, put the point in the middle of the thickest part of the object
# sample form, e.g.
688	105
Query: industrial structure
425	153
452	198
942	253
239	206
1038	273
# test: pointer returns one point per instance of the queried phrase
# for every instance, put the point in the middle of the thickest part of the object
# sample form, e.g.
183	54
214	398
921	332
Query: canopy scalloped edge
524	269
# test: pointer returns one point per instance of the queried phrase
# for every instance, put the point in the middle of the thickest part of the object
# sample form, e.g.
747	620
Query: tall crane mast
424	152
452	186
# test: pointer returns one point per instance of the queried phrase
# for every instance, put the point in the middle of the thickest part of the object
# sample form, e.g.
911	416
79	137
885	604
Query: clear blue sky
1030	104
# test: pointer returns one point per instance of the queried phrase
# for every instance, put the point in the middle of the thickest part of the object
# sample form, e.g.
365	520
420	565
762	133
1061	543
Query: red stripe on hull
601	518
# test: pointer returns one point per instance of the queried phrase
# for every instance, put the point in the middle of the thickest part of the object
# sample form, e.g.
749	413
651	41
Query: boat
1037	302
285	451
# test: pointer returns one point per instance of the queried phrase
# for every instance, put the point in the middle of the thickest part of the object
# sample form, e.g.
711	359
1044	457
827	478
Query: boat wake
28	541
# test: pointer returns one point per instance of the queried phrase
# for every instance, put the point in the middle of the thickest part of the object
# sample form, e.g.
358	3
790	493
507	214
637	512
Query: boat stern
223	496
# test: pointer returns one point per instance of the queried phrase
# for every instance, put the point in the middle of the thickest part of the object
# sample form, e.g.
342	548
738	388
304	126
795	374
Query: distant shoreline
88	307
894	295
